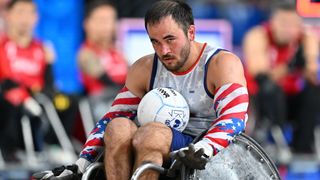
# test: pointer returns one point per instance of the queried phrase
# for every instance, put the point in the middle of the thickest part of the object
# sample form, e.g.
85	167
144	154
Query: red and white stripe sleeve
230	104
125	104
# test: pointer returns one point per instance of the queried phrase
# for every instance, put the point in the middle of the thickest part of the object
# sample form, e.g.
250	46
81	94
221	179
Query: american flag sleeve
125	104
230	104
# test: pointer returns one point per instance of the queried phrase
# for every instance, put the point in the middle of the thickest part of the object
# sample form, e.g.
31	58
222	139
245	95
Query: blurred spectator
281	60
103	68
25	69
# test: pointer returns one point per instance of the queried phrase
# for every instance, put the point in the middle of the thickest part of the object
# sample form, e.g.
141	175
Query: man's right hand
71	172
63	173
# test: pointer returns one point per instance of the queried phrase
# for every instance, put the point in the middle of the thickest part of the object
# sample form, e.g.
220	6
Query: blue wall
60	24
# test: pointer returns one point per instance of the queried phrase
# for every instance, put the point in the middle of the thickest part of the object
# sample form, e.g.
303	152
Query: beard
179	63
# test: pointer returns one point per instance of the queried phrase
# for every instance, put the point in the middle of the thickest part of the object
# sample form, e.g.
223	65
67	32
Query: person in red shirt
24	70
281	62
103	67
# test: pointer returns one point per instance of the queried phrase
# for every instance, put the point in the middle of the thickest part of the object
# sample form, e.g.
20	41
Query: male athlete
211	80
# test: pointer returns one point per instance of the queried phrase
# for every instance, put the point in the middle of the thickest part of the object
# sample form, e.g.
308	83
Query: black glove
174	169
195	159
60	173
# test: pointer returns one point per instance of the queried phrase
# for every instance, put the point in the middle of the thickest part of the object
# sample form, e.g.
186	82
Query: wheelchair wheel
242	159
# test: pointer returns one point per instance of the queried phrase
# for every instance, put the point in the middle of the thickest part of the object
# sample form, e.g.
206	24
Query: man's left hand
194	155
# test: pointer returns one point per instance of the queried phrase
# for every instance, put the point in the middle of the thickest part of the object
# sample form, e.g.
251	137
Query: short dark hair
283	6
11	3
180	12
92	5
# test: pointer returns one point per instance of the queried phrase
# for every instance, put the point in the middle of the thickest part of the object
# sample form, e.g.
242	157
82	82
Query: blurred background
62	62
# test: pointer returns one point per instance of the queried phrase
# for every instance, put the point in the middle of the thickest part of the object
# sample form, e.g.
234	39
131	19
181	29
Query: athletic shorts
179	140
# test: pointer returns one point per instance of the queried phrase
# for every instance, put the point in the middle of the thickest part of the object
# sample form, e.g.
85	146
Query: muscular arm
139	75
225	68
125	104
227	82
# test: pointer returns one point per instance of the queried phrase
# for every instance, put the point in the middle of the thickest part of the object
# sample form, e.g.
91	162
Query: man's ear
191	32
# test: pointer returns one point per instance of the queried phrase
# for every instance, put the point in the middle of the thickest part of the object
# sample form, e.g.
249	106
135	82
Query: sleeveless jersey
192	85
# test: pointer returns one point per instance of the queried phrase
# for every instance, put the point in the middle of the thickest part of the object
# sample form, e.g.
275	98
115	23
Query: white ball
164	105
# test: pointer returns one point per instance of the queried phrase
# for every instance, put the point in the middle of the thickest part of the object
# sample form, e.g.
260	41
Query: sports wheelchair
242	159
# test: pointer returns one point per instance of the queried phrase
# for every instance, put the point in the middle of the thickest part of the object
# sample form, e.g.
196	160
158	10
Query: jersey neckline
193	65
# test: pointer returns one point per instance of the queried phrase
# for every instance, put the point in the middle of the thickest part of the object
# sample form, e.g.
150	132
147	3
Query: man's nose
165	49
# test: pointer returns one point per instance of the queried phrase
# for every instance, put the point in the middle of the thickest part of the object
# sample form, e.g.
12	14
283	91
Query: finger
199	153
205	159
202	167
181	154
191	148
57	171
173	155
65	173
198	165
203	162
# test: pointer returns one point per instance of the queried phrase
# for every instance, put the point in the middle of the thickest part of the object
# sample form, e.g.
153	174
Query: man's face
170	43
286	26
100	25
22	18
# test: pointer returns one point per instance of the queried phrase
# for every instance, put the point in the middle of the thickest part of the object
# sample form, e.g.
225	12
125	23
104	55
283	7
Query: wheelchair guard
243	159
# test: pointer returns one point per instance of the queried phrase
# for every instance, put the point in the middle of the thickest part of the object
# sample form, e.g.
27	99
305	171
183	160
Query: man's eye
170	40
154	42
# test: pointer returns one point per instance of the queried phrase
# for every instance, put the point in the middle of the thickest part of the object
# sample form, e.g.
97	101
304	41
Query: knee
119	130
153	136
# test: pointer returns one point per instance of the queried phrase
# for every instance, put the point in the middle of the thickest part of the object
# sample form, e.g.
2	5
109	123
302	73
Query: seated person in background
103	68
281	62
25	69
211	80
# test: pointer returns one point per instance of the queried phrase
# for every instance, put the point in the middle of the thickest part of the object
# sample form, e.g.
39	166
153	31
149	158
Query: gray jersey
192	86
